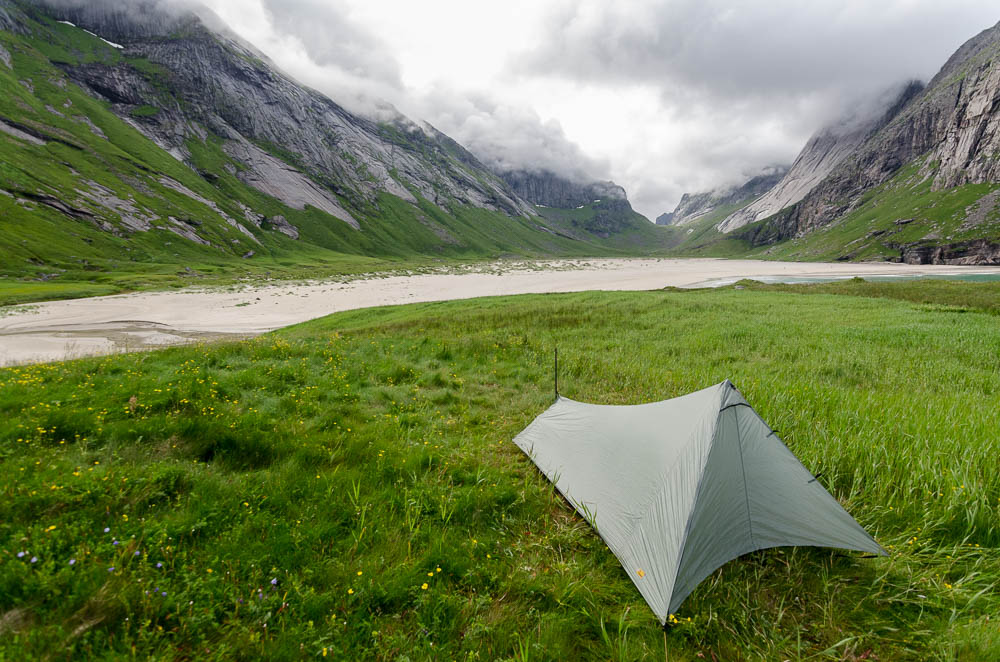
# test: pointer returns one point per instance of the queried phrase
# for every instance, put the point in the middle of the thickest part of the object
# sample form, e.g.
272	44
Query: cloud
331	38
506	136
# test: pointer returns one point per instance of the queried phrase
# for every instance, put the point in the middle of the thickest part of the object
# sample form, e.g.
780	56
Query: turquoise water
973	277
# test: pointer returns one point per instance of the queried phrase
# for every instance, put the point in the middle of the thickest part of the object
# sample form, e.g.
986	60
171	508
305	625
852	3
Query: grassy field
348	488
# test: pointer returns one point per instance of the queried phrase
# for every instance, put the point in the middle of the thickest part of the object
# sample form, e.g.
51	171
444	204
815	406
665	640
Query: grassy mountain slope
897	221
349	485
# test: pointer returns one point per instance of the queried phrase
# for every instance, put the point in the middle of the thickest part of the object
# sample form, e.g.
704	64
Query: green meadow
348	489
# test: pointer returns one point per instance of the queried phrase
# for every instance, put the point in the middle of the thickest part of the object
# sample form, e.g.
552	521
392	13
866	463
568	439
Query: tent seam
743	470
690	517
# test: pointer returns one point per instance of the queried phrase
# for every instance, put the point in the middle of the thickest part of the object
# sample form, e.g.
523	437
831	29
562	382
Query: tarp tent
679	487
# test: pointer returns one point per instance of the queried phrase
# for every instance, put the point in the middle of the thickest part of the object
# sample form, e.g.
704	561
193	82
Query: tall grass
348	487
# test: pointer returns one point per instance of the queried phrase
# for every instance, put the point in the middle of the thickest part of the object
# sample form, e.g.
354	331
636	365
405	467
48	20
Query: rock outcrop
666	218
542	187
610	210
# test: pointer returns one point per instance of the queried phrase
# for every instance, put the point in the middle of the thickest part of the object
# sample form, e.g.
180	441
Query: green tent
679	487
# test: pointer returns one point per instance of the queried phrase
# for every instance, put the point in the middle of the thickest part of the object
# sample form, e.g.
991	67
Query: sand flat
57	330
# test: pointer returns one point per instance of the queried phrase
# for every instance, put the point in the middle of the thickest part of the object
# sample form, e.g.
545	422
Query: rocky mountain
920	187
551	190
604	206
136	131
824	152
696	206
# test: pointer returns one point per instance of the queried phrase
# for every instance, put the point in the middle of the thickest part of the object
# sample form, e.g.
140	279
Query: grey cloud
746	83
780	50
507	137
331	38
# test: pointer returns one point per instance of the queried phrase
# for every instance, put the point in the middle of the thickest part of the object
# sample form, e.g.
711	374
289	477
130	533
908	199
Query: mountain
921	187
135	137
600	208
824	152
695	206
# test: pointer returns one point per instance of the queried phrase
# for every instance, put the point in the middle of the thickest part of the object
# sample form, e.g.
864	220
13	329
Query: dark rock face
611	210
297	145
550	190
954	123
978	251
666	218
695	205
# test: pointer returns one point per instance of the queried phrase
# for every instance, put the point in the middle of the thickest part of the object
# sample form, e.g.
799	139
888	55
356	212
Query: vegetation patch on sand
348	487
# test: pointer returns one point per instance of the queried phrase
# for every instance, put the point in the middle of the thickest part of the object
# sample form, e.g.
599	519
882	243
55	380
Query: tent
677	488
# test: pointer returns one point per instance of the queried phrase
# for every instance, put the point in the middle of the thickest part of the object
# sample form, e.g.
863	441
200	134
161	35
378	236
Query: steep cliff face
820	157
599	208
952	129
695	206
542	187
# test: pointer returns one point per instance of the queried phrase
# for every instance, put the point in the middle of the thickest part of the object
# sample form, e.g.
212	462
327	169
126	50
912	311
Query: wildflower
111	569
360	573
324	651
163	594
114	542
136	553
209	571
437	569
350	591
274	581
430	574
34	559
72	561
20	555
107	528
159	565
423	587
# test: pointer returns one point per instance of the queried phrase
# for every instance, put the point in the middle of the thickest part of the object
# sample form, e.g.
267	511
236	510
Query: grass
348	487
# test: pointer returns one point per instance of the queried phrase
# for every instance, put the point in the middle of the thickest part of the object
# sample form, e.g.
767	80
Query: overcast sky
663	97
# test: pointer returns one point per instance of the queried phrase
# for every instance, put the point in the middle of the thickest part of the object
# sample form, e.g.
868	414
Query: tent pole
555	372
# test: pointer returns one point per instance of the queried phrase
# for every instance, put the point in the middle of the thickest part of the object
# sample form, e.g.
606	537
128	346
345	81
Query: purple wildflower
159	565
72	561
20	555
111	569
136	553
114	542
107	528
164	594
274	582
34	559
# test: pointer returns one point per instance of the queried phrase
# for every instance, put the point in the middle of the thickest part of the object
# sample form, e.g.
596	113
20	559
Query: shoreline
73	328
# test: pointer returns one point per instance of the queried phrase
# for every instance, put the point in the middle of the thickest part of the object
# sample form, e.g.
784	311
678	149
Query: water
969	277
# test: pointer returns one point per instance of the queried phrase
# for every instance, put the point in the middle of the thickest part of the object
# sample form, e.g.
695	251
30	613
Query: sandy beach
58	330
